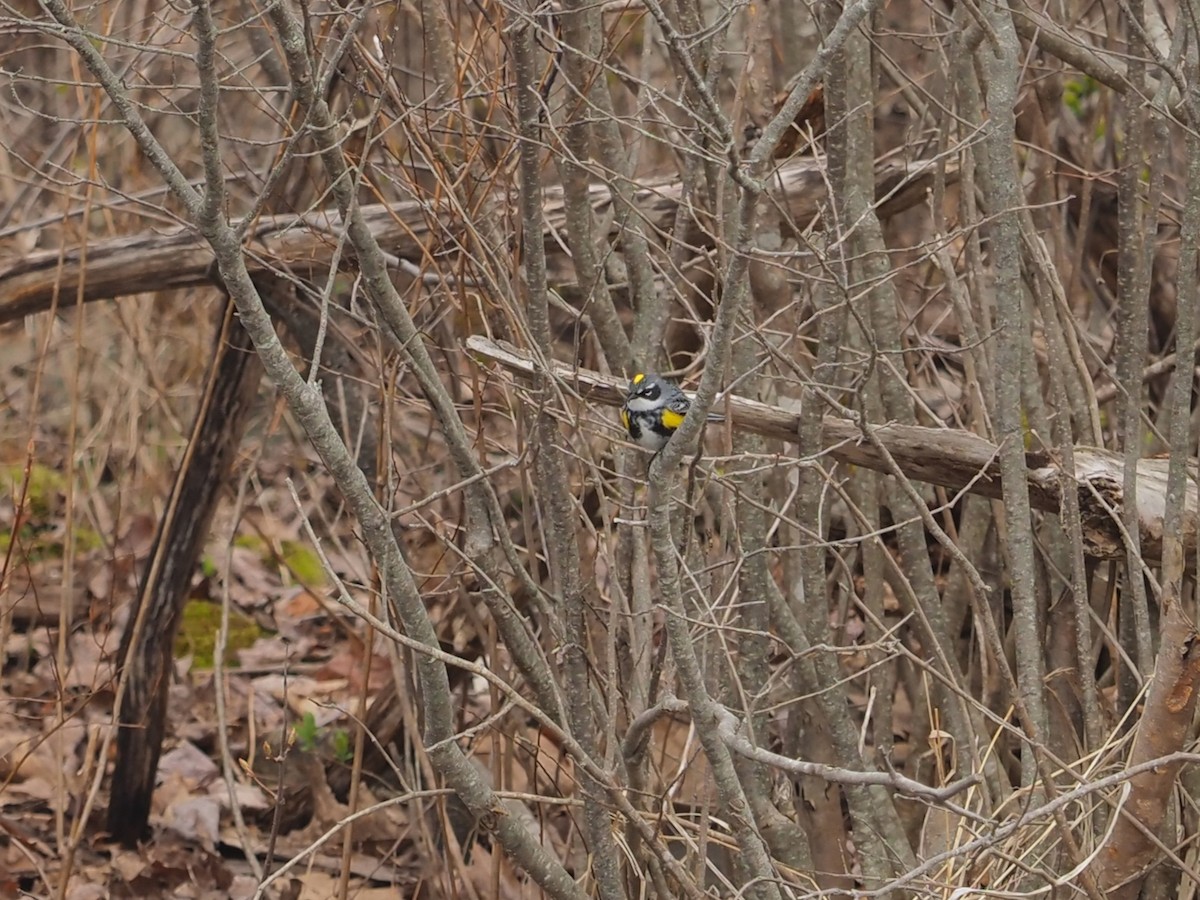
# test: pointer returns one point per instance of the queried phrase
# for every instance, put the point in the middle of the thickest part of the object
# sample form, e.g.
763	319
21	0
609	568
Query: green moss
46	487
36	543
304	564
40	534
198	633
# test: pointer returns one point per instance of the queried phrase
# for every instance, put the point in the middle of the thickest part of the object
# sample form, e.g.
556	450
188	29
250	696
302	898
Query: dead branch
956	460
158	260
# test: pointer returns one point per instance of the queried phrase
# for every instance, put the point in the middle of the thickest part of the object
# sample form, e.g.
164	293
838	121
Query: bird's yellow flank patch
625	419
671	419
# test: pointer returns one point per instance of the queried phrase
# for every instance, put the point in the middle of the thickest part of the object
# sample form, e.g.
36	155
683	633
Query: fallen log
953	459
302	244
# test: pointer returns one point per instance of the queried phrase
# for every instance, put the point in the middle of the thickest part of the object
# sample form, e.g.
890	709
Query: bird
654	409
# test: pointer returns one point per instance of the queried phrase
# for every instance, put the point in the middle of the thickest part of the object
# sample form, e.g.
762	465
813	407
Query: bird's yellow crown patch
639	377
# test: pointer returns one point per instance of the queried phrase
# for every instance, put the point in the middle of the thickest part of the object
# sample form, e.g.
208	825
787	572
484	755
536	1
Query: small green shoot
307	733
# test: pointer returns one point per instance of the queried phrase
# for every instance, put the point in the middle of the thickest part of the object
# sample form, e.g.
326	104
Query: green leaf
306	733
343	749
198	633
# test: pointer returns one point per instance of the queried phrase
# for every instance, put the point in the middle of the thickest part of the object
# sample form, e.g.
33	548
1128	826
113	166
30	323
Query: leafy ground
294	675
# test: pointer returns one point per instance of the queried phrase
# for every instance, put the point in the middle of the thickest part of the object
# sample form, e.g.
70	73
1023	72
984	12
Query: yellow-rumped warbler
654	408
